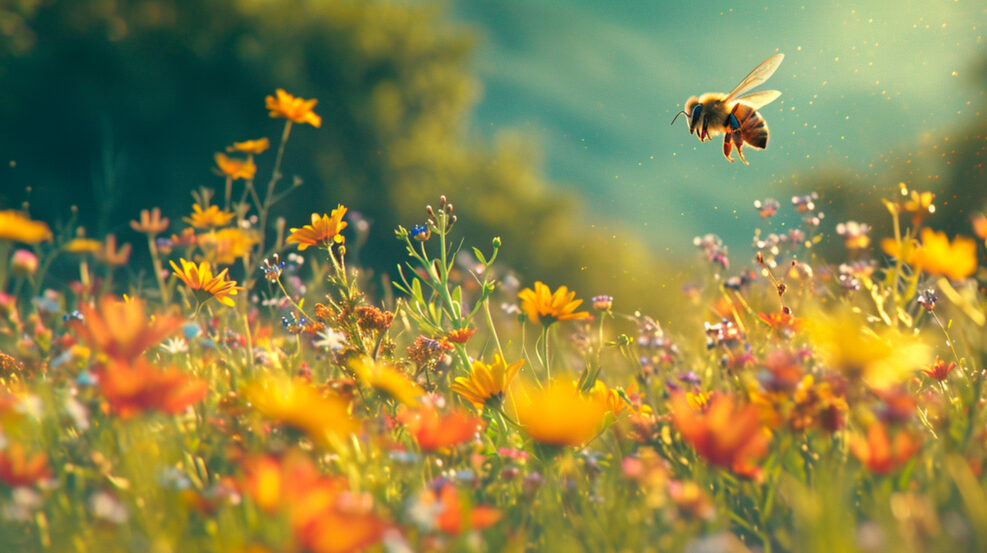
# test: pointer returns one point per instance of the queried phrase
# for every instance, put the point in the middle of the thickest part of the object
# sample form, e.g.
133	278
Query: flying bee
734	115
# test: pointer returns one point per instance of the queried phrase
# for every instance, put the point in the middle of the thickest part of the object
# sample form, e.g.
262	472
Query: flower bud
24	263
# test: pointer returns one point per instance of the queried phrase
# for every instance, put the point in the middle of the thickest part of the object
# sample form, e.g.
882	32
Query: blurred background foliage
114	106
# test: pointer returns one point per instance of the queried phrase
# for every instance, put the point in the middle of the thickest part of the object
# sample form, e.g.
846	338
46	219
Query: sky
595	85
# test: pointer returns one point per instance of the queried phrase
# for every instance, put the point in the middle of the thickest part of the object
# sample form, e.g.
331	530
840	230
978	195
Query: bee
734	115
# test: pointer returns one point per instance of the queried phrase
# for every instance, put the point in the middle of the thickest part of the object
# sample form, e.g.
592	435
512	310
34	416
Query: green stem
493	329
158	272
275	177
547	361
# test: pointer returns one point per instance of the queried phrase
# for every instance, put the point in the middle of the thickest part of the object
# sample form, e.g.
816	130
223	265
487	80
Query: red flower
433	431
879	453
454	519
133	388
939	370
17	469
726	434
121	329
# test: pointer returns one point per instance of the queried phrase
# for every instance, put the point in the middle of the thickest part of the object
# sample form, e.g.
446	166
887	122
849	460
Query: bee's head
692	111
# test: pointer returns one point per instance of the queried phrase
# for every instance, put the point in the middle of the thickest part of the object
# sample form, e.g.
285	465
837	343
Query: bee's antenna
677	116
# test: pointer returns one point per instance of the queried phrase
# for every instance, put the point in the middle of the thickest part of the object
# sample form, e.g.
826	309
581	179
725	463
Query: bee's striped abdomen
753	127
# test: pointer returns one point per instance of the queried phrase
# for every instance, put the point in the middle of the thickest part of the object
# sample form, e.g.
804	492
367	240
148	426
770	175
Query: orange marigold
235	168
292	108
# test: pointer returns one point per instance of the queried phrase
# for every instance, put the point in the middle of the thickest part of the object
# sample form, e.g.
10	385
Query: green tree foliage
118	105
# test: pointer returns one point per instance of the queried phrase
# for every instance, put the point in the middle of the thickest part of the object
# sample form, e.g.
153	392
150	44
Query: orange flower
324	515
254	147
781	321
110	255
203	284
121	330
453	518
17	469
559	414
980	226
726	434
939	369
435	431
557	306
461	335
18	227
293	109
208	218
151	222
878	453
138	386
937	256
235	168
323	230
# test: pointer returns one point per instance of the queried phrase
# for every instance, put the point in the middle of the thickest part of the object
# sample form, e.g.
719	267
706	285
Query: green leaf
479	256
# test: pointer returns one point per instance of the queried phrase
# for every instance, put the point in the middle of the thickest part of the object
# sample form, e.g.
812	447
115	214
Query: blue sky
595	84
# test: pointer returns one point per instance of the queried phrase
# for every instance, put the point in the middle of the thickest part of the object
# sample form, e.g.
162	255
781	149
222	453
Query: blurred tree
115	105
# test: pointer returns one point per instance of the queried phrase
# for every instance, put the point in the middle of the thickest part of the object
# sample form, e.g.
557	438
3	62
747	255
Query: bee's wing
757	77
759	99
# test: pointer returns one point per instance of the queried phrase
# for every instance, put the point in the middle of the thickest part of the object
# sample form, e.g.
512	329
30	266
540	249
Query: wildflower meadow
251	387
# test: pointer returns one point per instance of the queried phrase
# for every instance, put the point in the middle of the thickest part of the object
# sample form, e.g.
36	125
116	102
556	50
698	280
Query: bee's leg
732	121
728	146
738	140
705	129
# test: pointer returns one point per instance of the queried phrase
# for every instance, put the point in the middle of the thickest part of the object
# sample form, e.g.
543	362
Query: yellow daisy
18	227
559	414
204	284
323	230
209	217
487	382
543	303
388	380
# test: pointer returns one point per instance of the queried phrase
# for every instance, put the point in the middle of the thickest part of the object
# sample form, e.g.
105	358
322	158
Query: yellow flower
291	108
558	306
558	414
609	396
18	227
83	245
846	343
486	382
937	256
235	168
210	217
225	246
388	380
323	230
203	284
296	403
255	147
